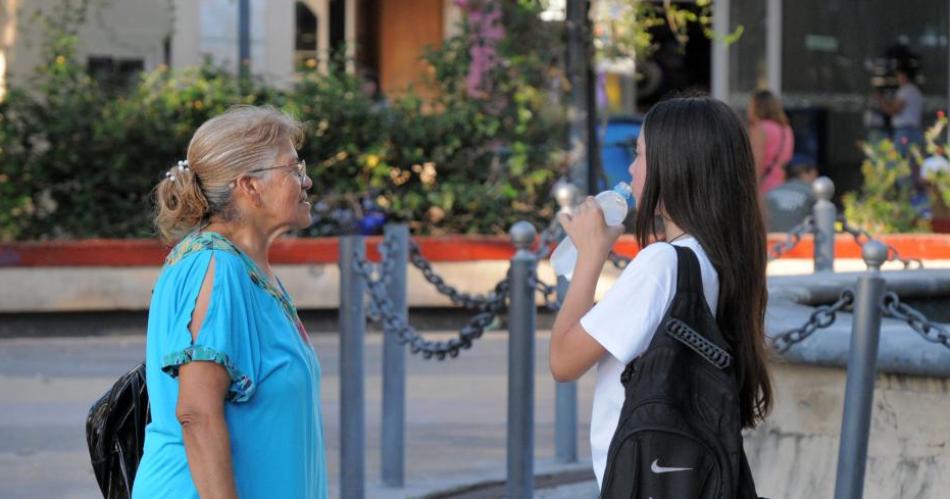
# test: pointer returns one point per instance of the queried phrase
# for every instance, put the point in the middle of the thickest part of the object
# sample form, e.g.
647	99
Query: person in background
905	110
789	203
771	137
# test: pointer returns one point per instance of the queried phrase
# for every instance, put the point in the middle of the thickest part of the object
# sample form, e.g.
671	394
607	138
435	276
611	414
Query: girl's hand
587	229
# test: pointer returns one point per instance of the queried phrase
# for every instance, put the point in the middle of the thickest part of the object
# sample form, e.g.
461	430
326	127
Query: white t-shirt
913	107
624	322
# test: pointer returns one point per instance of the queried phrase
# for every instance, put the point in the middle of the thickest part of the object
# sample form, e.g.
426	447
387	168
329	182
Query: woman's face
638	169
285	192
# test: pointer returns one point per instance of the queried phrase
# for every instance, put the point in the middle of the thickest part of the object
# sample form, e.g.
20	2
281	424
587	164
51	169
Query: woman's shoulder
201	242
655	258
660	258
192	257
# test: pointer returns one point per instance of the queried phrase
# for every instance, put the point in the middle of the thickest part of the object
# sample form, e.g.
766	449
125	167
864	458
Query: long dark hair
700	169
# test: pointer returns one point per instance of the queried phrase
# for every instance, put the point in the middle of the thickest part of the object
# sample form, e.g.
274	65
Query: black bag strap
689	279
688	276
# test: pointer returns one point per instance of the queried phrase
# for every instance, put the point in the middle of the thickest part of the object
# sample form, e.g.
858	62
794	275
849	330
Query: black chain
861	237
892	307
793	237
467	300
548	292
481	302
393	323
821	318
550	235
619	261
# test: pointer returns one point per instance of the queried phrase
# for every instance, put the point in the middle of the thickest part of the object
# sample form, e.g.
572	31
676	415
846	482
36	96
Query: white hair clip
182	166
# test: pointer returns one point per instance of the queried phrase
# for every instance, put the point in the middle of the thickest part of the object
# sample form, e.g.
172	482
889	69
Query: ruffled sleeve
228	335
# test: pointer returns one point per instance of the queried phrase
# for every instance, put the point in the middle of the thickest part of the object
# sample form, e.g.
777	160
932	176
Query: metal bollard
825	214
521	331
352	396
565	395
565	407
862	367
394	366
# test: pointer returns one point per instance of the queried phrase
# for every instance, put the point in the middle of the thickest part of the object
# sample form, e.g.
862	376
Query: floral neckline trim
212	240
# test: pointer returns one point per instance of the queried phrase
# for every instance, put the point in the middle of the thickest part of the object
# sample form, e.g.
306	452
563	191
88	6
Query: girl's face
638	169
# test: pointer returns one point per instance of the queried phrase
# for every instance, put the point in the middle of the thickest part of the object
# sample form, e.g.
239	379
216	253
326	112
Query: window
114	74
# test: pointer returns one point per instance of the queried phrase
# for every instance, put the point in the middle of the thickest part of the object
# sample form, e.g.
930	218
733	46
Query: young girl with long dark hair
694	170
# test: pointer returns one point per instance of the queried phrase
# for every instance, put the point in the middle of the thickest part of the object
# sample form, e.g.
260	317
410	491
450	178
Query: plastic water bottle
615	204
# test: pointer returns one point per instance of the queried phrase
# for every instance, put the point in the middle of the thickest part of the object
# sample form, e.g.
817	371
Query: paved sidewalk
456	415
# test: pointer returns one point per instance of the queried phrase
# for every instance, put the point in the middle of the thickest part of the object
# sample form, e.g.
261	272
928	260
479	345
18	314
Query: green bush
78	162
937	180
882	205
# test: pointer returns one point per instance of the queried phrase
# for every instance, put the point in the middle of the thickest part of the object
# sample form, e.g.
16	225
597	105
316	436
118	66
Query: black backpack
115	432
679	433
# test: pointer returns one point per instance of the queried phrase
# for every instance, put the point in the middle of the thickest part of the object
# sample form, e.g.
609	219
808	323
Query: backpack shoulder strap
689	280
688	276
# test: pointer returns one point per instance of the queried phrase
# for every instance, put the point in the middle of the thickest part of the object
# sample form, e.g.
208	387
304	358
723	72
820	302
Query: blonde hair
221	150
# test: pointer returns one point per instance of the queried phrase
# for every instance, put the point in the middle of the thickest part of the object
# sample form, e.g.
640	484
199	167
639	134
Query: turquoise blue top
273	405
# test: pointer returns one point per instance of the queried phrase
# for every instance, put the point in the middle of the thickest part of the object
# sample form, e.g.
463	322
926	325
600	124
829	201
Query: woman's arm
201	391
573	351
892	106
202	388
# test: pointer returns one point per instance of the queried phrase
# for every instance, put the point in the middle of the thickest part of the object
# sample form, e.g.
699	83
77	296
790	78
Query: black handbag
115	432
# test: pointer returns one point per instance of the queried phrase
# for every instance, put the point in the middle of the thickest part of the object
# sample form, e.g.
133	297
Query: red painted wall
147	252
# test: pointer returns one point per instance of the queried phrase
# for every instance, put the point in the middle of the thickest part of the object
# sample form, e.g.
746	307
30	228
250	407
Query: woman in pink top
771	138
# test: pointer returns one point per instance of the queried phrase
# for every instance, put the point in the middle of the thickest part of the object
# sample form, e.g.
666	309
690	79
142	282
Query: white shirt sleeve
624	321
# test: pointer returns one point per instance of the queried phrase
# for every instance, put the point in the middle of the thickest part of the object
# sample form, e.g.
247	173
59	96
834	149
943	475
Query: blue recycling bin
618	148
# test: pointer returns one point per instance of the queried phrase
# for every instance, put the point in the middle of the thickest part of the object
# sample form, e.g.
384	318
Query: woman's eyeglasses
298	168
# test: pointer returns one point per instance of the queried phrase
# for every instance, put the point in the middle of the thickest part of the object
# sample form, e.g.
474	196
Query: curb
496	488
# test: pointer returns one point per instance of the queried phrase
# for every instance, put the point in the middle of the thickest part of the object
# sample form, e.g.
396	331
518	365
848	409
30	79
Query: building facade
384	37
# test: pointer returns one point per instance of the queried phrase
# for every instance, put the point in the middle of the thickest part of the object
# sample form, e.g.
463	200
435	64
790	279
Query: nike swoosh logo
656	468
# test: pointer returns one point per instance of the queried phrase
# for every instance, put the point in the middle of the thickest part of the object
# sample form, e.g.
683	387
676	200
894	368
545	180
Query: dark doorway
305	38
337	27
675	67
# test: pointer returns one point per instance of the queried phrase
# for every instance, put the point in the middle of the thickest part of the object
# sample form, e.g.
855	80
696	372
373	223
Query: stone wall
794	454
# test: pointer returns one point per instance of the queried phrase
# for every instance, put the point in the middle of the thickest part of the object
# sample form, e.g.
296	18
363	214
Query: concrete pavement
456	415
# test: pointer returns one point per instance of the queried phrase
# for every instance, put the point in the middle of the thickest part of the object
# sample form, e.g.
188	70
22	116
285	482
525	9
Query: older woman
233	381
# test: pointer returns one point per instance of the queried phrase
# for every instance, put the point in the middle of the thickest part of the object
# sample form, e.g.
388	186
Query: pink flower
484	21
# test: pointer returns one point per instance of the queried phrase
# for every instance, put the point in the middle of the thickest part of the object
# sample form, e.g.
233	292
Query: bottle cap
624	190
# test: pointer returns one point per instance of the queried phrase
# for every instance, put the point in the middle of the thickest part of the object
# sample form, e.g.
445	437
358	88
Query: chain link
553	233
892	307
393	323
820	318
548	292
793	237
861	237
619	261
466	300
